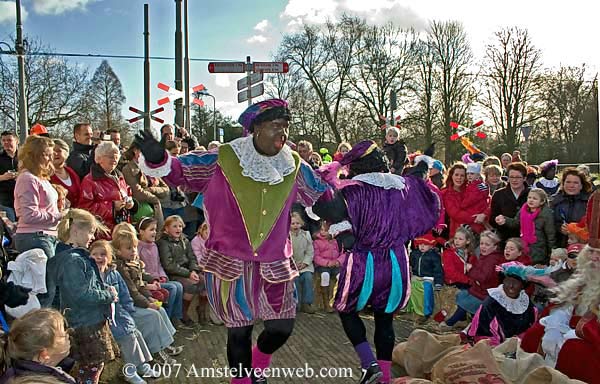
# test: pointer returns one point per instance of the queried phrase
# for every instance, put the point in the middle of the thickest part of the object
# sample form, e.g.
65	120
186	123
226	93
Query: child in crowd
150	318
513	251
395	150
536	221
84	298
131	342
179	261
62	203
148	252
199	241
459	258
35	345
493	178
476	198
482	276
327	260
303	253
426	268
342	149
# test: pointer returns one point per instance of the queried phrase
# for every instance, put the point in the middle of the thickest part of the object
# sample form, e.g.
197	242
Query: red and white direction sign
270	67
227	67
142	114
254	78
255	91
175	94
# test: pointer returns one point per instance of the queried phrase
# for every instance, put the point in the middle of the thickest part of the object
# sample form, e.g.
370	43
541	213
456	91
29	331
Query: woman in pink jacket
36	200
327	260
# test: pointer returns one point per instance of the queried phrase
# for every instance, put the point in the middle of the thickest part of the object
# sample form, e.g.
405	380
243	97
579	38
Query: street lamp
205	93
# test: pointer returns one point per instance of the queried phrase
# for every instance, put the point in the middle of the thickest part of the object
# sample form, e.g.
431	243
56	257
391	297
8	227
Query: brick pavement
318	340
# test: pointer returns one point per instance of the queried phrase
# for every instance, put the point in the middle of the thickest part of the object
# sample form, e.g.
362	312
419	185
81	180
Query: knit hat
593	220
474	168
275	107
38	129
438	165
427	239
578	230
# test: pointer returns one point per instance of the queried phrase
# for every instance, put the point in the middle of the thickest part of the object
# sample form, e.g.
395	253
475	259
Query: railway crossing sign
142	114
175	94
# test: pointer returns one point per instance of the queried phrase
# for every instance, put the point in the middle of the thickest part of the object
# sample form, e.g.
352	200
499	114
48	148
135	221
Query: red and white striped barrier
142	114
175	94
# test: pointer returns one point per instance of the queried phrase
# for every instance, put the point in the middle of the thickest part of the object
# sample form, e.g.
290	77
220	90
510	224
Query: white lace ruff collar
265	169
383	180
548	183
516	306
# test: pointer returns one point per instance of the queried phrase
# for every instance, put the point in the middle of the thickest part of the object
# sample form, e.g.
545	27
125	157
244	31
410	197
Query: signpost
251	86
526	130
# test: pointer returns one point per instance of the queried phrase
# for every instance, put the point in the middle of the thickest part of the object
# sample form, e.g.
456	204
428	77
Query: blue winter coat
125	324
428	264
83	296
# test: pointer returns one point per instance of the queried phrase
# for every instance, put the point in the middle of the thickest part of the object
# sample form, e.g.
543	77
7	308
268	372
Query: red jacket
326	252
454	267
483	275
74	190
460	213
99	190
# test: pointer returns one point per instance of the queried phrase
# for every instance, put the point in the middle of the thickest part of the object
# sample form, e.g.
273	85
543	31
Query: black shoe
371	375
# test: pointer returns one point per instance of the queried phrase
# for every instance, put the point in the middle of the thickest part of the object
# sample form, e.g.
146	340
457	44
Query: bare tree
453	56
424	88
511	72
55	90
325	56
384	64
106	96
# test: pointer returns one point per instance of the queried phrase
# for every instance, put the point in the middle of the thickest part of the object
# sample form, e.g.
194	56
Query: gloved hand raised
150	147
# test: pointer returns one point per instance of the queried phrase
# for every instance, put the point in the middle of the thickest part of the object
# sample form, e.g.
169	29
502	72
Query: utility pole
20	50
188	105
179	114
146	70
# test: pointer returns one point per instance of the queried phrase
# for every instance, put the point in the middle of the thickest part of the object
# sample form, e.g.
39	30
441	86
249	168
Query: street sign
227	67
175	94
526	131
255	91
142	114
270	67
254	78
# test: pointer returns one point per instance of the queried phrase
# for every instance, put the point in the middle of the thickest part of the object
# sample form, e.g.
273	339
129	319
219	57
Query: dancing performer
379	212
249	186
568	333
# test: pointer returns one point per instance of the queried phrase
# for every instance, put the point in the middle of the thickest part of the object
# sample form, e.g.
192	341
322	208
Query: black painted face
270	136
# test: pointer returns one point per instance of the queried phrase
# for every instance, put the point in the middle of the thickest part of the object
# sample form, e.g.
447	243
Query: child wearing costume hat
249	186
548	182
507	311
476	198
427	275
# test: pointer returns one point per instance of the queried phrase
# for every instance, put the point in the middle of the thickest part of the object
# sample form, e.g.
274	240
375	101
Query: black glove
13	295
151	149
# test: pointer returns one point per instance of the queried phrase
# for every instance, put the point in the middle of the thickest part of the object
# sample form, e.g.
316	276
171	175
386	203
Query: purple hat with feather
358	151
253	112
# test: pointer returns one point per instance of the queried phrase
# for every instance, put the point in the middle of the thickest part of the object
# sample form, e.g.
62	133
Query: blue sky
233	29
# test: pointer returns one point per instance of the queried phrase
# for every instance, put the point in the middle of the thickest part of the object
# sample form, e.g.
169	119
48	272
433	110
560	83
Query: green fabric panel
260	203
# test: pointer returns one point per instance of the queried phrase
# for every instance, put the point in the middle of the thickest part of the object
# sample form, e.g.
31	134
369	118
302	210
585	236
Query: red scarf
527	220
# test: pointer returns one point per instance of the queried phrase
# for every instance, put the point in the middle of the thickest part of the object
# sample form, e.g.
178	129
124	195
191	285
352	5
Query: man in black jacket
9	163
81	156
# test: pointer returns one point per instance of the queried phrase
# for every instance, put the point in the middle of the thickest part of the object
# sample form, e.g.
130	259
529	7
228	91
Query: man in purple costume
376	213
249	186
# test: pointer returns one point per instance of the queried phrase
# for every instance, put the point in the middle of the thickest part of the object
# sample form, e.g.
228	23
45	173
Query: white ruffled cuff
337	228
160	171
